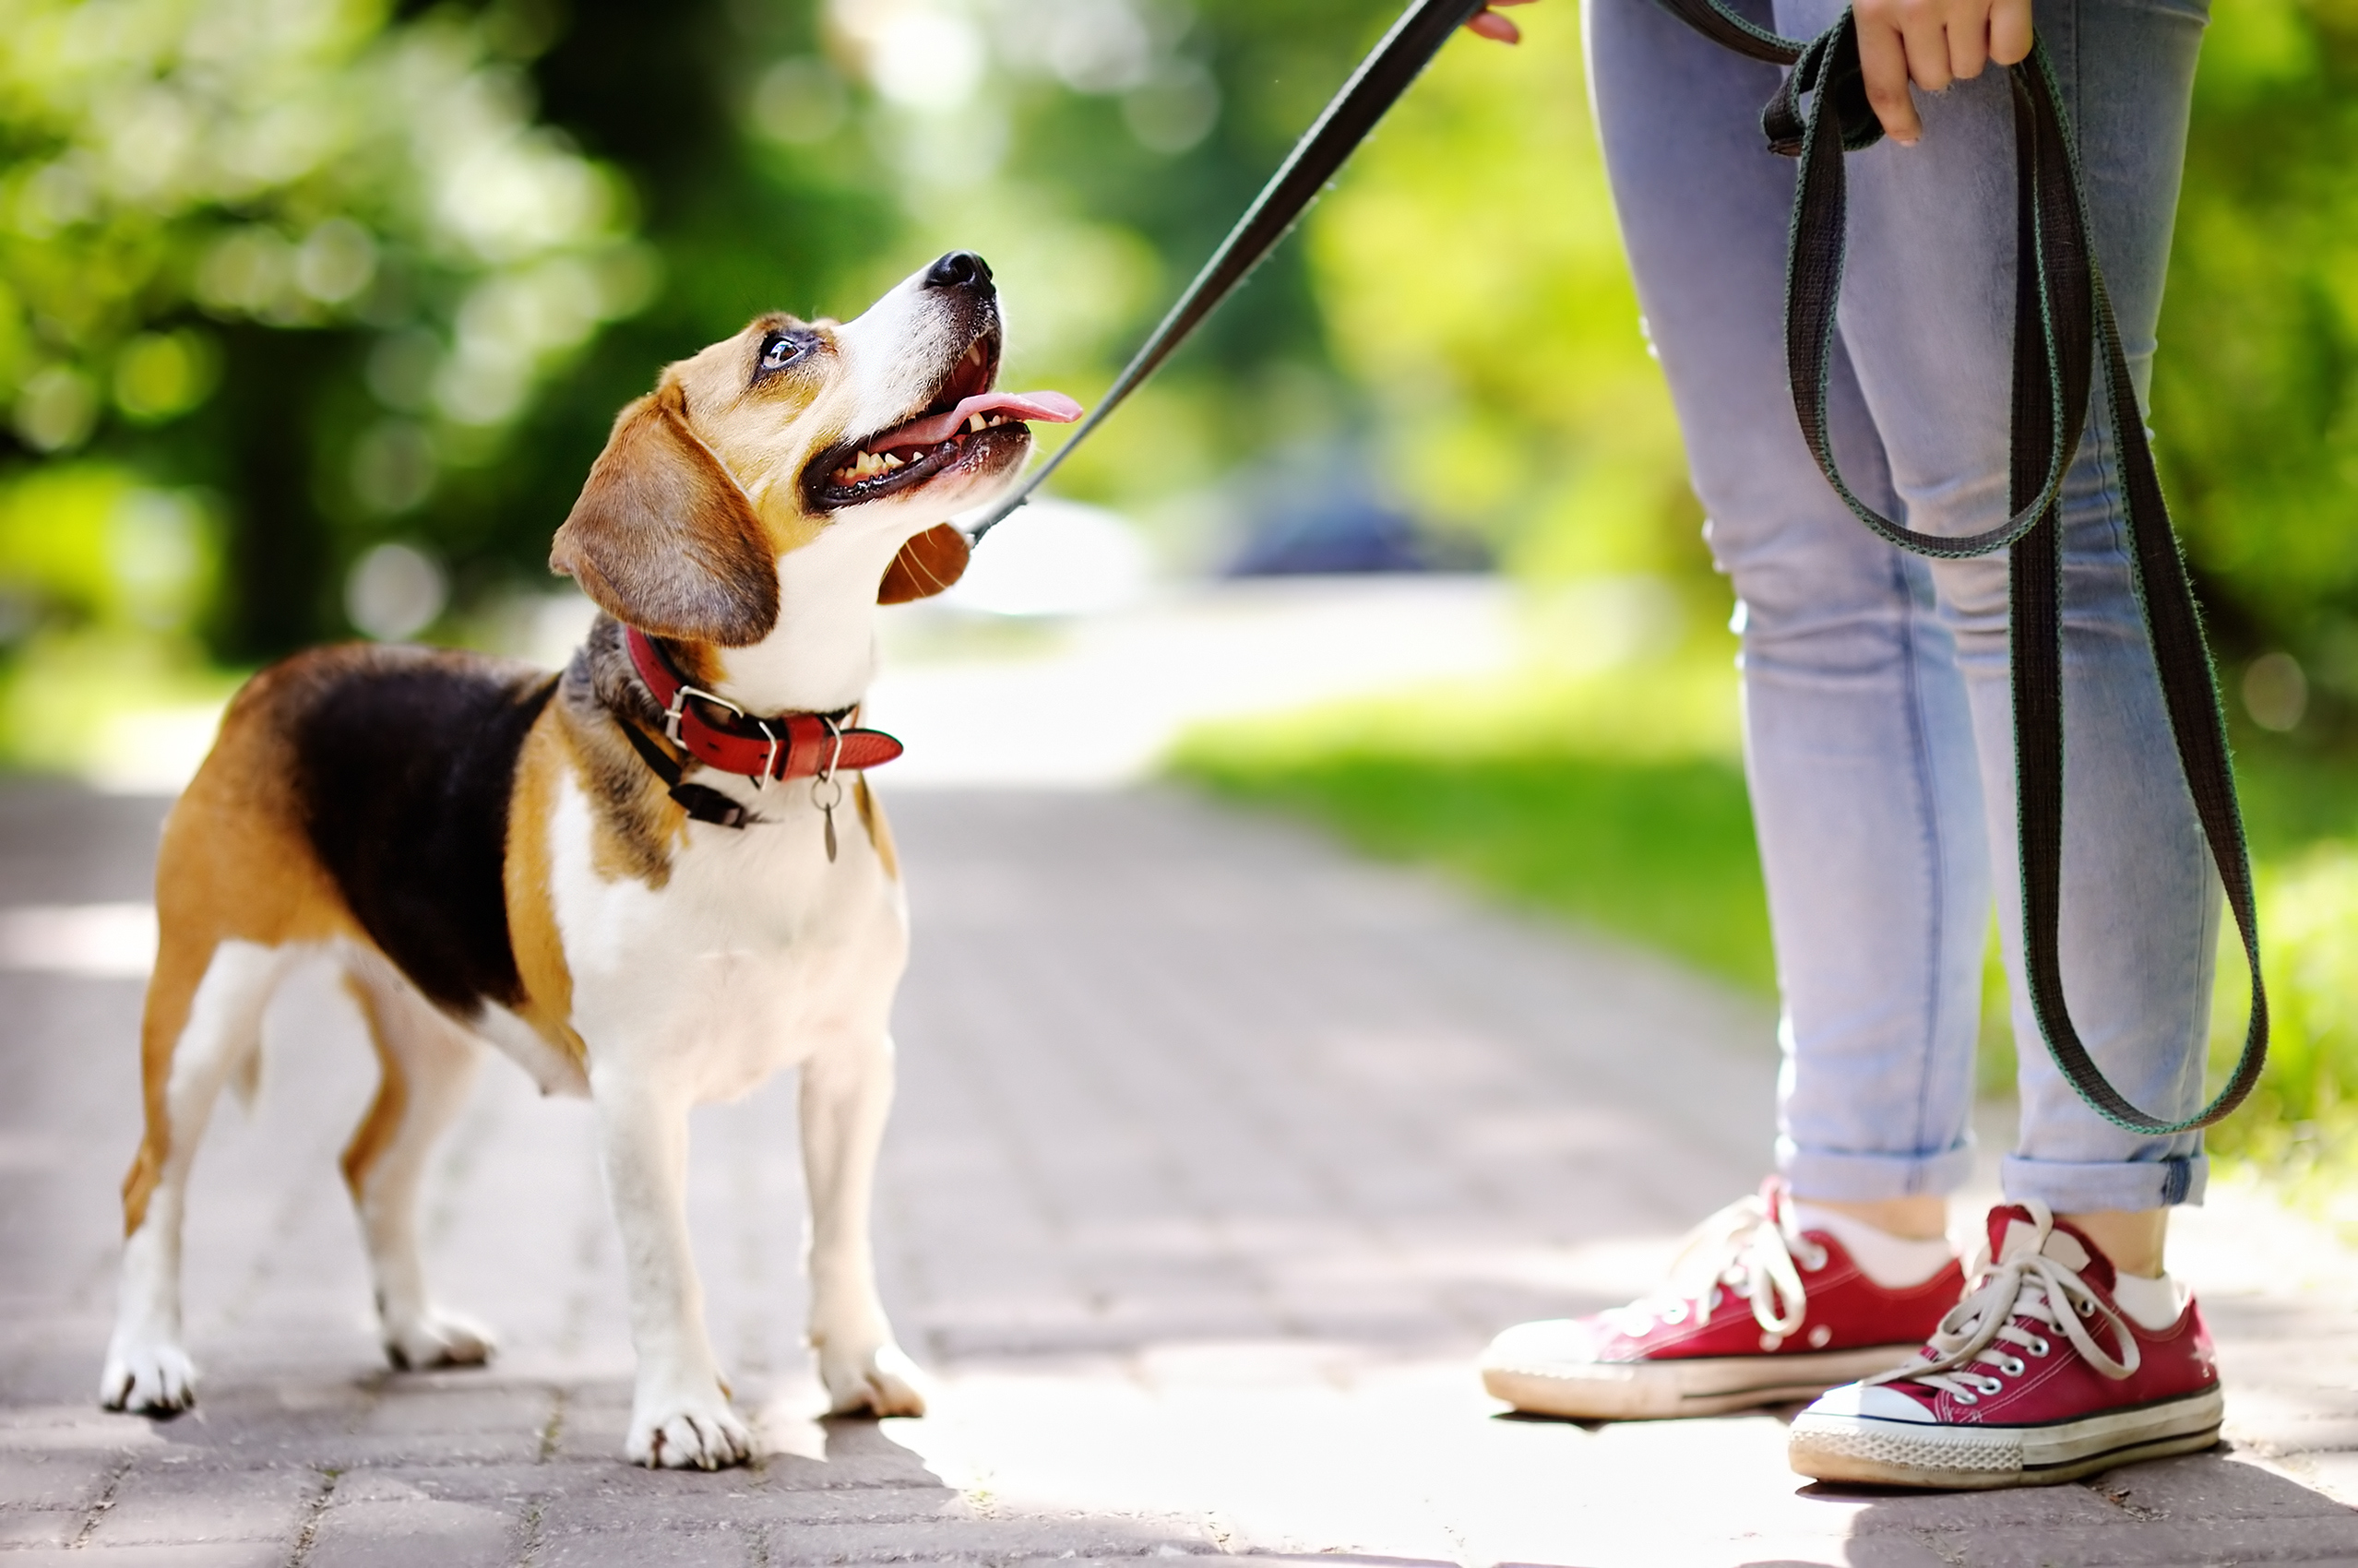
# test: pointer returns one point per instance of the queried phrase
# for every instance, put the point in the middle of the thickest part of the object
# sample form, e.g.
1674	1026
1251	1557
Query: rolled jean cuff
1871	1178
2071	1188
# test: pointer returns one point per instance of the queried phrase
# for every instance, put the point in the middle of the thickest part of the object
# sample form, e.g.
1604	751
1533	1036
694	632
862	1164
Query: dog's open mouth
964	425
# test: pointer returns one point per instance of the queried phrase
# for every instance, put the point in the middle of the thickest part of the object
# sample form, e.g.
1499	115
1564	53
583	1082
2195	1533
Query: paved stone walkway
1218	1155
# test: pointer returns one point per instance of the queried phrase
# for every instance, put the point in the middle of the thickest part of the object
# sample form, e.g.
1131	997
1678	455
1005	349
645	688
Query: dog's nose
959	269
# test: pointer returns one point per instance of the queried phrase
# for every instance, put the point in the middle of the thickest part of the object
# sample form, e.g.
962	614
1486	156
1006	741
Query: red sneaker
2017	1387
1757	1312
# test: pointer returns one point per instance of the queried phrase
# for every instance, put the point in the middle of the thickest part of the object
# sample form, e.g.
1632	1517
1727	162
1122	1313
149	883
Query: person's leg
1925	317
1859	744
1860	752
2073	1354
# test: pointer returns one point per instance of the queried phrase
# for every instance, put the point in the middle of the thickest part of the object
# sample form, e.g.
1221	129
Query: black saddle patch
407	761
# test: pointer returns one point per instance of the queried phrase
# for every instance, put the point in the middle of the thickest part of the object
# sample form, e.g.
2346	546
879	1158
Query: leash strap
1395	62
2064	323
701	802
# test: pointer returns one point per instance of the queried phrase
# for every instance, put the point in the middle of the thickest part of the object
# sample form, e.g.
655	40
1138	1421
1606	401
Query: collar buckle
678	710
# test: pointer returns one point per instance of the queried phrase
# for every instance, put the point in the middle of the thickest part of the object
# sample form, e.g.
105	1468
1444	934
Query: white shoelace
1745	1252
2024	1282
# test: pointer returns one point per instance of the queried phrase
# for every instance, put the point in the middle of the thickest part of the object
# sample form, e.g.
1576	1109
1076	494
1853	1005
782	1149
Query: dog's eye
779	353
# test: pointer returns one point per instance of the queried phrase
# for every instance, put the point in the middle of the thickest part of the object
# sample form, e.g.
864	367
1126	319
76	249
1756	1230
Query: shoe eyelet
2014	1366
2086	1309
1992	1385
2039	1346
1814	1261
1674	1316
1965	1397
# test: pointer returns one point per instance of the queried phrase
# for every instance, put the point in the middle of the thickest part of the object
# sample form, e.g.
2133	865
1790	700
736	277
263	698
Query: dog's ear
663	538
927	566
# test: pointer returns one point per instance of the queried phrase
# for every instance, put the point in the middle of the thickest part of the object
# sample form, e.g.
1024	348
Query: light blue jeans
1878	719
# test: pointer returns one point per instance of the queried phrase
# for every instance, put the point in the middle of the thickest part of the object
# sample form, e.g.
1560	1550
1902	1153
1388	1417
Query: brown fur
532	917
235	864
636	826
387	1111
663	537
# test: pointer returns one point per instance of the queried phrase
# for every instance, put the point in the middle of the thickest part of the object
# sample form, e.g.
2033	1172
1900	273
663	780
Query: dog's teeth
891	462
996	421
974	353
976	422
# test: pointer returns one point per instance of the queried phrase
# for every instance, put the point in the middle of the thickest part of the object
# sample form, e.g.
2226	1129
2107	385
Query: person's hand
1932	44
1488	23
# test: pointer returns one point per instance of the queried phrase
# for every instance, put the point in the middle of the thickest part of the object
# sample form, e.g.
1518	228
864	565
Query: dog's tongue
1054	407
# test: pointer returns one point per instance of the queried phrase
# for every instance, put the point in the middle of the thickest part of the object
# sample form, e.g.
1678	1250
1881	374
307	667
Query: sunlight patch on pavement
1303	1447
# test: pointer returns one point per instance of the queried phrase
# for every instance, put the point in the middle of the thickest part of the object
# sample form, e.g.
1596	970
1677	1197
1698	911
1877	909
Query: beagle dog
654	880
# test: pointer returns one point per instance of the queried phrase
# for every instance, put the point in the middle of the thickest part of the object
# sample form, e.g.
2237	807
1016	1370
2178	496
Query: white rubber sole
1634	1390
1977	1458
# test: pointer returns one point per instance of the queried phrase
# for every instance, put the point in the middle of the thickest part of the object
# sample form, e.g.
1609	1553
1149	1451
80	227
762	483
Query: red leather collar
785	746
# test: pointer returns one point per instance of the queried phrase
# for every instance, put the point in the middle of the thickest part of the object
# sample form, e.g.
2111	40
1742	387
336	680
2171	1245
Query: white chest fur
753	955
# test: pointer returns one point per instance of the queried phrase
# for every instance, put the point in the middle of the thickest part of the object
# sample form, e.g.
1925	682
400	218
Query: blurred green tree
1472	282
295	254
284	280
2256	386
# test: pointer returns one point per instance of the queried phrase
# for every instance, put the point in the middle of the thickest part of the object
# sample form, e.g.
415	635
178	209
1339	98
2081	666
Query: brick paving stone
1217	1154
156	1504
990	1539
39	1527
707	1506
2142	1542
53	1480
403	1532
651	1548
225	1554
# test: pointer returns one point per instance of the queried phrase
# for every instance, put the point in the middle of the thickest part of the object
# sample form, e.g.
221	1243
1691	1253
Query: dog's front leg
846	1092
680	1415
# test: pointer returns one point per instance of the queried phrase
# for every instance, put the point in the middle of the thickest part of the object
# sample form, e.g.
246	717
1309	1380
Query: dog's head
791	431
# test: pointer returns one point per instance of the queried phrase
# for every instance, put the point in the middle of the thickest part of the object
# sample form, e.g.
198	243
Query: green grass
1616	801
1658	852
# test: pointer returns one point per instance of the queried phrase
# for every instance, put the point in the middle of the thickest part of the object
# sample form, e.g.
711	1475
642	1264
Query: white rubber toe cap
1869	1401
1533	1347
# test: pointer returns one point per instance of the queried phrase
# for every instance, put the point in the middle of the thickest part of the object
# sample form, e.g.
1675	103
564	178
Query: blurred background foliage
284	282
313	314
313	311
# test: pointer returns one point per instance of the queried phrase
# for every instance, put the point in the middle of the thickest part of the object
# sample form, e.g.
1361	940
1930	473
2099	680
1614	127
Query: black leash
2062	321
1348	116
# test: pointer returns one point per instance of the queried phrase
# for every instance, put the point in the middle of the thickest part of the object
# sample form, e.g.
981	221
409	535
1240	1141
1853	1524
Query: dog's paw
882	1382
148	1380
437	1338
690	1435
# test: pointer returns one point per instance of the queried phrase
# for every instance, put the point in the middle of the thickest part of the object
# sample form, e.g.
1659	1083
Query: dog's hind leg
203	1021
847	1090
427	1064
